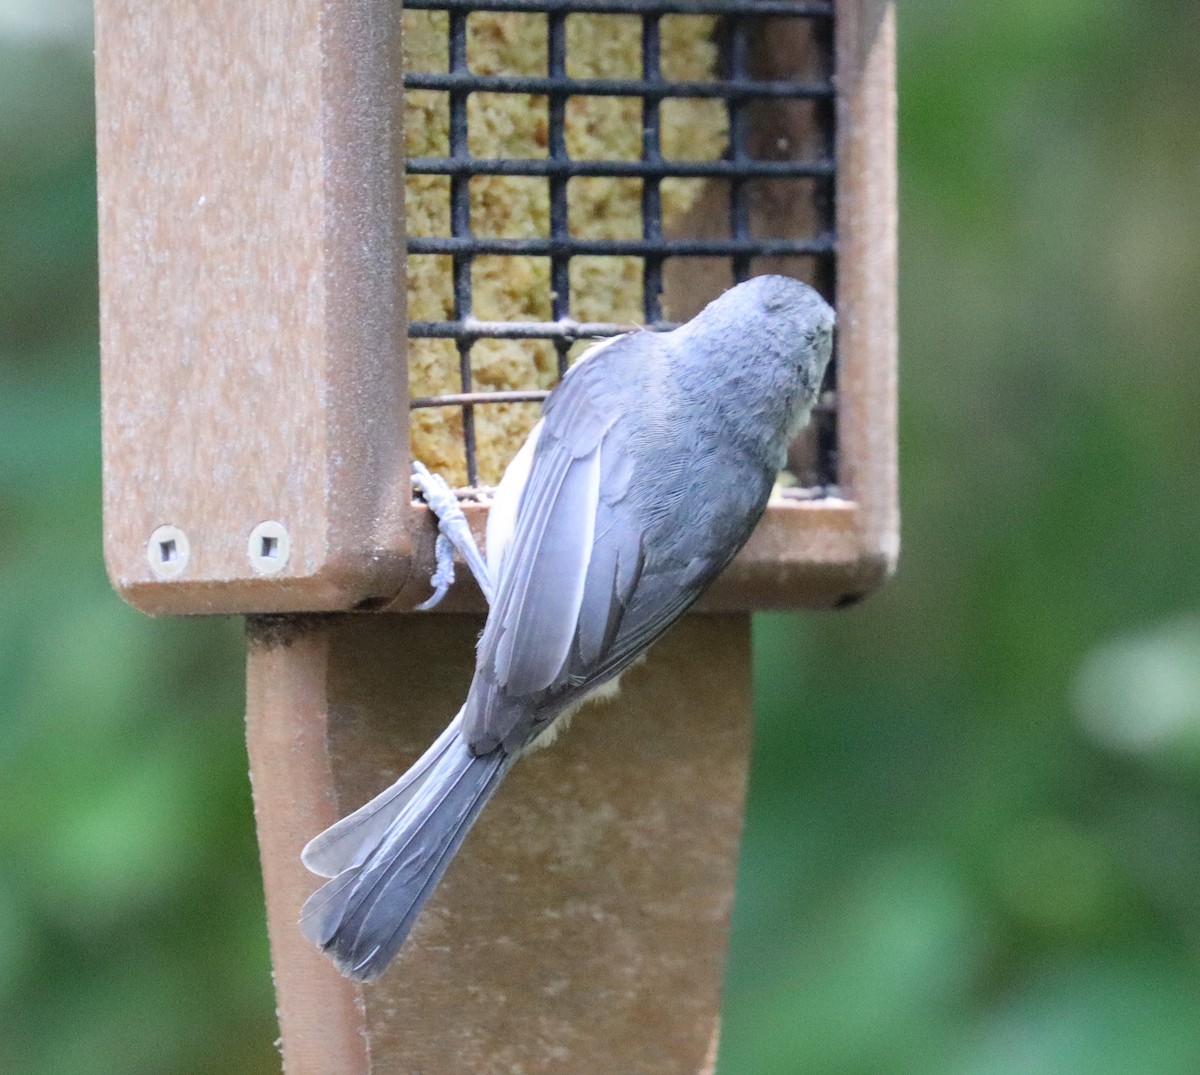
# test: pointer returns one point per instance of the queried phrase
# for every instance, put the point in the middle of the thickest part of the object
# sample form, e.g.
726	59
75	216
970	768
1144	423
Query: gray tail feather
362	916
348	842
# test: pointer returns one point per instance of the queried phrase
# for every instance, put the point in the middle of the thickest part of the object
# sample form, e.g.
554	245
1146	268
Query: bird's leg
453	533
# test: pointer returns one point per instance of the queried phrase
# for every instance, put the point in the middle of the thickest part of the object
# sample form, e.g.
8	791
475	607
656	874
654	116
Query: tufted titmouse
650	467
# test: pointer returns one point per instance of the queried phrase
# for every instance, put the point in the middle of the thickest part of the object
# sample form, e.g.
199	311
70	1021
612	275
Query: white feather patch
502	515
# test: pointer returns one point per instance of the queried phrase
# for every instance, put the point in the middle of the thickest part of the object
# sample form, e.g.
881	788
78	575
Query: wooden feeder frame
256	460
253	314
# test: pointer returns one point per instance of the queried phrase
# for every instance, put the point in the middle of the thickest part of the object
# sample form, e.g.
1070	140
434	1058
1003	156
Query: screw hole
168	552
269	547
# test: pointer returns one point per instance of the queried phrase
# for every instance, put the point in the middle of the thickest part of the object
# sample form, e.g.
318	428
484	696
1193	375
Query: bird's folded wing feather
578	597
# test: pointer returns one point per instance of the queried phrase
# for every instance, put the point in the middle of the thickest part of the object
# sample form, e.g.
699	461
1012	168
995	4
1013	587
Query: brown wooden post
583	925
253	339
288	722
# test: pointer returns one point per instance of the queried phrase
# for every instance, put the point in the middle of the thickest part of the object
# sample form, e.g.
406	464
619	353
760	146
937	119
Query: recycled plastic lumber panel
287	729
583	925
250	166
867	328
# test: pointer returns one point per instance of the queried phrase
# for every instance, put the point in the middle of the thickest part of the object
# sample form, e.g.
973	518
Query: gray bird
650	467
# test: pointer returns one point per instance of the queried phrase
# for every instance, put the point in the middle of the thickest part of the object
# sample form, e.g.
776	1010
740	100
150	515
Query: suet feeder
338	236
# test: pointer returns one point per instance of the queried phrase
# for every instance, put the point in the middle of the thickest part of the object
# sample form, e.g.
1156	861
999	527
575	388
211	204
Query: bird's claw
443	575
454	532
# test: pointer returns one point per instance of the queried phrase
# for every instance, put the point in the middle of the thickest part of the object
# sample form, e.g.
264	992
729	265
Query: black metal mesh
742	90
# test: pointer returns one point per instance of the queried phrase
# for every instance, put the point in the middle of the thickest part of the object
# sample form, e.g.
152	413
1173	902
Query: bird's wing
579	594
543	563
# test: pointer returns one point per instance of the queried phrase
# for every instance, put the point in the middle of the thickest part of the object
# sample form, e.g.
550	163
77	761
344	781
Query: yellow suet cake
514	126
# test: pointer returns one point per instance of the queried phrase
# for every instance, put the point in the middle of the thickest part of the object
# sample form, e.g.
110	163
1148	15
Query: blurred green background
973	845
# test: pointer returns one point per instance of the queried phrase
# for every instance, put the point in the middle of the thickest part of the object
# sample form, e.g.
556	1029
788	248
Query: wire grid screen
767	100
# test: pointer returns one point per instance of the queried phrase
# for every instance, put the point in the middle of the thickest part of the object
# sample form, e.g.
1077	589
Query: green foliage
973	845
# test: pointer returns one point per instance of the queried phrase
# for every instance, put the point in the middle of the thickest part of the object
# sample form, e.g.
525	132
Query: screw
168	552
269	547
